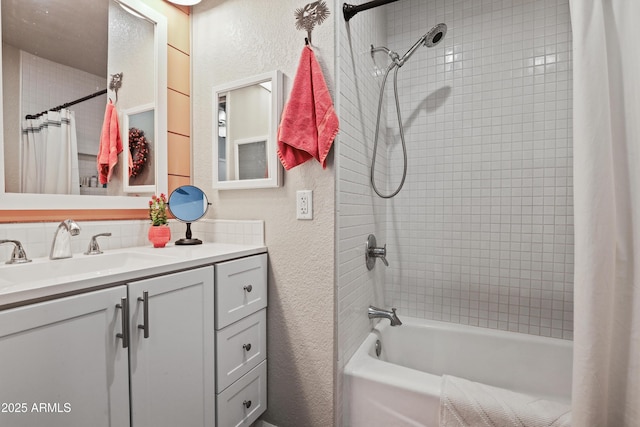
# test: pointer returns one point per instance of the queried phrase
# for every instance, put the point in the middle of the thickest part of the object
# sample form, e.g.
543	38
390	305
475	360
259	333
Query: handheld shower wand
430	39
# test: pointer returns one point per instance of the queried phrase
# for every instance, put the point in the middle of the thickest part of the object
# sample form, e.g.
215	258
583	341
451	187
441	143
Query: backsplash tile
36	238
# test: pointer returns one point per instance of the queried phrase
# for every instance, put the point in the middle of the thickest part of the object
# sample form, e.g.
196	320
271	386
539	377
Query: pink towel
309	122
110	144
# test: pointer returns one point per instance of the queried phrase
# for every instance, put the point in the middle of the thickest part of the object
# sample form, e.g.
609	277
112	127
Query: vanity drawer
245	400
240	347
241	288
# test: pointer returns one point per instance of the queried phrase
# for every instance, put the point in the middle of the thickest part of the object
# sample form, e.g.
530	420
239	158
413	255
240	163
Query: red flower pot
159	235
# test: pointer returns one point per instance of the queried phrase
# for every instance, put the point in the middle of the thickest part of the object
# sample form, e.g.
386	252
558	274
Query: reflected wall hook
116	83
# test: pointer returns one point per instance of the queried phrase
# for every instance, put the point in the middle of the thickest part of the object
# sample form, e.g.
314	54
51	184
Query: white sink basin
91	265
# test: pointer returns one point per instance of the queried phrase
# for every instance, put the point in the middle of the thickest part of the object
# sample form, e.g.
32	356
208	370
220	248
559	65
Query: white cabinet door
61	364
172	369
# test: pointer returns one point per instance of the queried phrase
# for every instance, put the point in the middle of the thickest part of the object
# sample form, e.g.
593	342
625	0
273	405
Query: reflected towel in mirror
110	144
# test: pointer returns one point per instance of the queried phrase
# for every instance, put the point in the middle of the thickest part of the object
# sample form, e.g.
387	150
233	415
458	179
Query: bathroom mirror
246	118
188	204
135	45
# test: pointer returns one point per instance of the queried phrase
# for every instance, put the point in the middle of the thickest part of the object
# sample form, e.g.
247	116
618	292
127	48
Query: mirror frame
274	167
45	202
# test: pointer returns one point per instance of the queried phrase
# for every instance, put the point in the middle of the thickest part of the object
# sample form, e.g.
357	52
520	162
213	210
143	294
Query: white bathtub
402	386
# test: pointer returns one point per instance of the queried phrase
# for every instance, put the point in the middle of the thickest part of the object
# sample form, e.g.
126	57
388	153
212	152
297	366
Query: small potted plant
159	232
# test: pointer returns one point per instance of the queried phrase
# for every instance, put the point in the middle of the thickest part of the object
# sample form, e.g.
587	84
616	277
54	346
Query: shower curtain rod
68	104
349	10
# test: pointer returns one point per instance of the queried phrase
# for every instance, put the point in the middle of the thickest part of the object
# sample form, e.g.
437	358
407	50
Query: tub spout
379	313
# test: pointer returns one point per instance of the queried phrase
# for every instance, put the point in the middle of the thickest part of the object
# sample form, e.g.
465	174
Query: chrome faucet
62	249
18	256
379	313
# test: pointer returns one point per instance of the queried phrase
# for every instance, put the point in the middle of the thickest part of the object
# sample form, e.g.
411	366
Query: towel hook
308	16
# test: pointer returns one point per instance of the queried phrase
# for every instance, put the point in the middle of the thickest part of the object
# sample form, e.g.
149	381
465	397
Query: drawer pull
248	288
247	347
247	404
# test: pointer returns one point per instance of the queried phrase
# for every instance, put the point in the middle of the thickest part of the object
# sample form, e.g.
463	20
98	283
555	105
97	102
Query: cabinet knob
247	347
248	288
247	404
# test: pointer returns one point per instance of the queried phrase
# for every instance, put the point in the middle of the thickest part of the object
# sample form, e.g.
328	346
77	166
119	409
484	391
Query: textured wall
11	115
234	39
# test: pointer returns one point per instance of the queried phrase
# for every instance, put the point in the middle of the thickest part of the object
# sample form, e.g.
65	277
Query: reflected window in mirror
246	117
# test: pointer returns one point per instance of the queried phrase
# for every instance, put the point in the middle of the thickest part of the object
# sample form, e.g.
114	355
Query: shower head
430	39
435	35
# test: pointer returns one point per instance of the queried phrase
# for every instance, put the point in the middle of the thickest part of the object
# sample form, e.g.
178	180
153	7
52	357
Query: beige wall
234	39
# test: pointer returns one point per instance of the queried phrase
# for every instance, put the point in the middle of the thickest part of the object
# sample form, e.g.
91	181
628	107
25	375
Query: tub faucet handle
380	253
372	252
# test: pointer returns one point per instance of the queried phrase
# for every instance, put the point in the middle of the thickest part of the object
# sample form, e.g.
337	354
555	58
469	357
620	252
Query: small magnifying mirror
188	204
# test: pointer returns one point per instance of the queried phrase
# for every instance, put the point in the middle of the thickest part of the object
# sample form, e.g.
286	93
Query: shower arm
350	10
397	60
393	55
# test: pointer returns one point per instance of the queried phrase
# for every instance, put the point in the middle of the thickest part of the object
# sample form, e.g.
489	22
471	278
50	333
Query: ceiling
69	32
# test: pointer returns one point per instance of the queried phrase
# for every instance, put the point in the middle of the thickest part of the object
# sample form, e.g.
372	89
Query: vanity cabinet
241	338
186	348
171	349
61	363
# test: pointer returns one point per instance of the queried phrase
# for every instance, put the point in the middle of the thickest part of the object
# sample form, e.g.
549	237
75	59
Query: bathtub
401	387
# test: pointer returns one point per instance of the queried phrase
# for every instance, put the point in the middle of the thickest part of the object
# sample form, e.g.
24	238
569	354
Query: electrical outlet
304	204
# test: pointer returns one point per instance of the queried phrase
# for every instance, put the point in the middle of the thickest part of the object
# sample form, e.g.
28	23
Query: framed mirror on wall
246	117
133	39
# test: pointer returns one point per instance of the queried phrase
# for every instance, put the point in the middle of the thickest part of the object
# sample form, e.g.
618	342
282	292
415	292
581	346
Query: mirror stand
188	204
188	240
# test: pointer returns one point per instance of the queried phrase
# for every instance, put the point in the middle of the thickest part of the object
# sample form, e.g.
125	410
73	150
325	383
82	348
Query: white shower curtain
49	154
606	62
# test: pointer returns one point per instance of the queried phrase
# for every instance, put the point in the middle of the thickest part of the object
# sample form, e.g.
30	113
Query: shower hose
375	142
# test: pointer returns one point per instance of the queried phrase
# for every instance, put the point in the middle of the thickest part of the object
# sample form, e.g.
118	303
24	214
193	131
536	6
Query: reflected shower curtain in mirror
49	154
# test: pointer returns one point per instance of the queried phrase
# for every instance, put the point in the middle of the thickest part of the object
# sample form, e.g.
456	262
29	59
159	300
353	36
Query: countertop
63	279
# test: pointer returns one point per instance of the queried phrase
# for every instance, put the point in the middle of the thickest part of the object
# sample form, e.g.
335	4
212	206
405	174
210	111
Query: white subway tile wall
37	237
47	84
482	233
358	212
